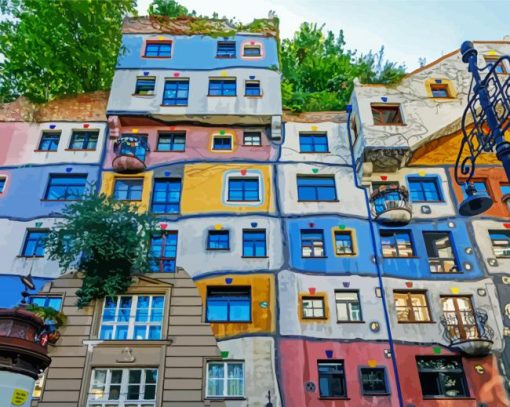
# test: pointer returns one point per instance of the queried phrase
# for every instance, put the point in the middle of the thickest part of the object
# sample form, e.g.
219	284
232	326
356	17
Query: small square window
312	243
348	306
222	143
252	50
386	114
252	88
332	379
313	143
84	140
316	188
49	141
313	307
491	61
128	189
254	243
226	49
218	240
176	92
411	306
439	90
174	141
3	181
252	138
373	381
243	189
344	245
222	87
158	49
225	379
424	189
396	243
500	240
35	243
145	85
228	304
65	187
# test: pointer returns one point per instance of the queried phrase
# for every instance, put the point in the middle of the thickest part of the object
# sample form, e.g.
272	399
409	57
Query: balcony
390	205
130	153
468	332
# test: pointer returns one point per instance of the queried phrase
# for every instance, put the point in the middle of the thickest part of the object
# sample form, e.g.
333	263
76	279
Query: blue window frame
332	383
145	85
316	188
176	93
424	189
159	49
243	189
481	187
222	87
84	140
252	51
49	141
128	190
46	301
228	304
222	143
252	88
166	196
313	143
396	243
312	243
218	240
66	187
226	49
174	141
163	253
2	184
254	243
35	243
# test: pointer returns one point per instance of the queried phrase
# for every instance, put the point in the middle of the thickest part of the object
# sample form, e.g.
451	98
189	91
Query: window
222	87
313	307
225	379
176	93
128	189
218	240
252	138
441	376
66	187
348	307
491	60
505	189
228	304
411	306
373	381
396	243
500	242
254	243
481	187
424	189
35	243
243	189
252	88
312	243
252	51
158	49
316	188
163	252
145	85
332	379
222	143
84	140
138	317
440	252
439	91
386	115
134	145
459	318
49	141
172	141
166	195
313	143
123	387
226	49
46	301
344	243
2	184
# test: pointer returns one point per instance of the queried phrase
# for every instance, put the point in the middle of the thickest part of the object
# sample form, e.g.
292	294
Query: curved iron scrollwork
464	326
389	197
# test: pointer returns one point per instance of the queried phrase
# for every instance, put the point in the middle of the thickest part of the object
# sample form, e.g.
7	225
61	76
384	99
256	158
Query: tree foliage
59	47
168	8
105	239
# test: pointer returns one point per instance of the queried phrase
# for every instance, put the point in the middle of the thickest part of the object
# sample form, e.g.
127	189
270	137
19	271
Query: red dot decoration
177	74
311	290
86	125
243	172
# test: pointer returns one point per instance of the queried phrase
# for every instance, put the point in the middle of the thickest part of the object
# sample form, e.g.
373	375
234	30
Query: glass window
411	306
491	60
222	143
127	317
226	49
163	253
424	189
313	143
46	301
440	252
243	189
500	242
128	189
222	87
175	141
252	138
459	318
225	379
160	49
343	243
386	114
396	243
481	187
439	90
316	188
218	240
35	243
254	243
228	304
442	376
373	381
134	145
505	189
252	51
176	93
145	85
313	307
166	195
252	88
66	187
84	140
332	379
2	184
49	141
348	306
312	243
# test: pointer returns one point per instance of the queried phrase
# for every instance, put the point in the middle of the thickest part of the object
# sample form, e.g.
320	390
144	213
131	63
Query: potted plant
52	318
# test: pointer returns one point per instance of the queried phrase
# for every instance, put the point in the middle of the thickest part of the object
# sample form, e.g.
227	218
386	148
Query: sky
408	29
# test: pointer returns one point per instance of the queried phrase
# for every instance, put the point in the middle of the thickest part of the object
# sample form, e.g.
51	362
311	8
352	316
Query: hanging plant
48	314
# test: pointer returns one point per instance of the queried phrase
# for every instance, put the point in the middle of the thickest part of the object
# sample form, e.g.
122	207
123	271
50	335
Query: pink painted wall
14	144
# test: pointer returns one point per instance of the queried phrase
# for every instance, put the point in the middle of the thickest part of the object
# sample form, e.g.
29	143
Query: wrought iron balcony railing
130	154
390	204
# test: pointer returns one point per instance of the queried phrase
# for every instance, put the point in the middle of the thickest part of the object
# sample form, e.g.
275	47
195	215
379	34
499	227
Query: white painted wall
481	229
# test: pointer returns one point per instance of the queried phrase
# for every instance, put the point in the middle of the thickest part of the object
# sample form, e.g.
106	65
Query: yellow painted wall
262	290
108	184
203	188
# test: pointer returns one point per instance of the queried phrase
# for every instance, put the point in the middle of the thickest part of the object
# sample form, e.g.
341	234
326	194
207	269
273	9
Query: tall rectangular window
313	307
176	92
332	379
54	302
440	252
442	376
49	141
396	243
348	306
373	381
128	189
145	85
252	138
313	143
158	49
316	188
459	318
218	240
386	114
35	243
424	189
132	317
66	187
228	304
174	141
254	243
252	88
411	306
243	189
166	195
84	140
222	87
344	245
225	379
500	240
312	243
226	49
163	253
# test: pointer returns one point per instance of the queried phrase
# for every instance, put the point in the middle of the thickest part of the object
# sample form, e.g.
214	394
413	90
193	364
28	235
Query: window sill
144	56
334	398
312	200
416	322
254	96
29	257
229	322
251	145
314	257
80	149
376	395
446	272
226	57
133	342
350	322
448	398
224	398
45	151
169	151
218	250
173	105
222	96
303	319
399	257
143	96
255	257
314	152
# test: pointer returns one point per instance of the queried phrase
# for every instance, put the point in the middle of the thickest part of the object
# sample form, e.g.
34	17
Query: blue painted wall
11	288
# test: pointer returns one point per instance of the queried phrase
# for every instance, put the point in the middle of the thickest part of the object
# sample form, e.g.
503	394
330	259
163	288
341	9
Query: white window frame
225	379
259	135
247	174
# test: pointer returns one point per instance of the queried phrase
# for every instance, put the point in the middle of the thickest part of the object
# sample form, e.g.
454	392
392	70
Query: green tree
59	47
105	239
168	8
